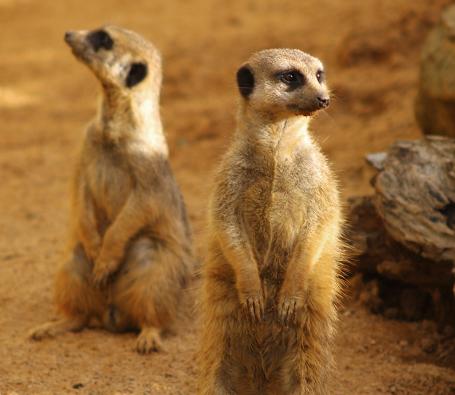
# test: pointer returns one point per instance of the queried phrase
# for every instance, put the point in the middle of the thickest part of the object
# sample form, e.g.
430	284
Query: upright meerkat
131	251
272	273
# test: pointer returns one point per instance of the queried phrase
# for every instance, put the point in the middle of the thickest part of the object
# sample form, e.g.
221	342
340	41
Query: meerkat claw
254	307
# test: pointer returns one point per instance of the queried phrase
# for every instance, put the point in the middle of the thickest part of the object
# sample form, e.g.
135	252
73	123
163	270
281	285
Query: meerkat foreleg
86	226
137	212
239	254
292	293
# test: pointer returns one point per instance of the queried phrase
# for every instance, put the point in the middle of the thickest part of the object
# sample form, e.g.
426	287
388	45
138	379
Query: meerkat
131	249
272	273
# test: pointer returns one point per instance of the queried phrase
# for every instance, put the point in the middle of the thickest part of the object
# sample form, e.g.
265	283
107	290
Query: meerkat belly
272	221
110	184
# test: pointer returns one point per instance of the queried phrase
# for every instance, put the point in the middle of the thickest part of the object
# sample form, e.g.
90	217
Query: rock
428	345
403	343
435	102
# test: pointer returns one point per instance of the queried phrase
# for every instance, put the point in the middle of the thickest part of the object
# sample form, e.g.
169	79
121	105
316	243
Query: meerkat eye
320	75
292	78
100	39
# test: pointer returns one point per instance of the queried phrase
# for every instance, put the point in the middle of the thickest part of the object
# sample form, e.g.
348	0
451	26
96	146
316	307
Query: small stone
403	343
428	345
78	386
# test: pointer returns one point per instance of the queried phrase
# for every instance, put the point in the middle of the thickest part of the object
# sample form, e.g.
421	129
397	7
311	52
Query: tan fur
271	276
131	252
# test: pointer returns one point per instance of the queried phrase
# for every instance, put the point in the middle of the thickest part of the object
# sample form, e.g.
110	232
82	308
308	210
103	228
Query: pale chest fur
109	180
279	202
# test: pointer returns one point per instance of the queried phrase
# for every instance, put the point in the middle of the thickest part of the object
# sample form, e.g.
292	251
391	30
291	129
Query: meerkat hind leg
148	290
54	328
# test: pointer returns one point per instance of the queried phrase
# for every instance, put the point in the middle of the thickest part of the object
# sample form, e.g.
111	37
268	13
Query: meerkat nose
323	102
68	36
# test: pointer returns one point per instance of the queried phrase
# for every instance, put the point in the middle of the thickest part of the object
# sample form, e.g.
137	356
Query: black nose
323	102
68	36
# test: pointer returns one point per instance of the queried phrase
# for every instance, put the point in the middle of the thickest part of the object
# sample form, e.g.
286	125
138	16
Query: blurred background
371	50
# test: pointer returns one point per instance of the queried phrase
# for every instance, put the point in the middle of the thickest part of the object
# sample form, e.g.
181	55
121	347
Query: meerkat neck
269	133
124	117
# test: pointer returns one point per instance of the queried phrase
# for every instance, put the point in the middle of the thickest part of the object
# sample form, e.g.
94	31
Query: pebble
403	343
428	345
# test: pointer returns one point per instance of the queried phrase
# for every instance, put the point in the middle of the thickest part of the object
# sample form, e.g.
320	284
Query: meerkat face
283	83
118	57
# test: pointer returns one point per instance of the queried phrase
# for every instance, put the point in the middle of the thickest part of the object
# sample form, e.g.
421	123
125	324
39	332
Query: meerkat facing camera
131	250
271	276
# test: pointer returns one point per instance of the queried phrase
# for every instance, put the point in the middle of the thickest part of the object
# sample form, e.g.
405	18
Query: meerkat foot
149	340
54	328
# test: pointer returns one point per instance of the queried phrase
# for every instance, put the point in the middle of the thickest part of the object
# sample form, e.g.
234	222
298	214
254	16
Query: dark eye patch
138	71
245	81
320	76
100	39
292	78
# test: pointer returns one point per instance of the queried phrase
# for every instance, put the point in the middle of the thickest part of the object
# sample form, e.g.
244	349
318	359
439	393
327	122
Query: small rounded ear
138	71
245	81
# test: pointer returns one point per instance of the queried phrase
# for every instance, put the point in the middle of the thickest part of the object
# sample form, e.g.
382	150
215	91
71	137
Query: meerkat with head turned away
272	274
131	250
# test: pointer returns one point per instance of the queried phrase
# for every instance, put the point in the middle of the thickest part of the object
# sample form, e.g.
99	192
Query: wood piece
415	196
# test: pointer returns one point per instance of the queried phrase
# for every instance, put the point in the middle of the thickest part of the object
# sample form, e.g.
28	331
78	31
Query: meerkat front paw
288	308
102	271
105	265
253	305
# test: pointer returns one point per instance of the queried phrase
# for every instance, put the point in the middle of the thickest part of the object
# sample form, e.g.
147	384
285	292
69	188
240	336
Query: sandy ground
371	50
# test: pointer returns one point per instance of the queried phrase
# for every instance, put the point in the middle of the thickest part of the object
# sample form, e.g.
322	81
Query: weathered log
399	282
435	102
415	196
377	253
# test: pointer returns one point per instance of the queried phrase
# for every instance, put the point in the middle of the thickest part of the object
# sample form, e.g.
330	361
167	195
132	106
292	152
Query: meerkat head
118	57
283	82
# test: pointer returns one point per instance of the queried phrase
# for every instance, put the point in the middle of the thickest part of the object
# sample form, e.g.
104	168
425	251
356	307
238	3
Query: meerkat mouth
306	111
298	110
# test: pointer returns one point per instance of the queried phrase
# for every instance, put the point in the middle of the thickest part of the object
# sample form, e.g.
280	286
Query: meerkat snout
323	101
282	83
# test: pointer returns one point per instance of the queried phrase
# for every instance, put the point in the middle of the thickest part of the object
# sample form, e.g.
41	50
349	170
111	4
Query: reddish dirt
371	50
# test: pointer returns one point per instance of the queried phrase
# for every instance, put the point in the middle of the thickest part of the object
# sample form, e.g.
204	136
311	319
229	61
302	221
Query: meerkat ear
245	81
138	71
